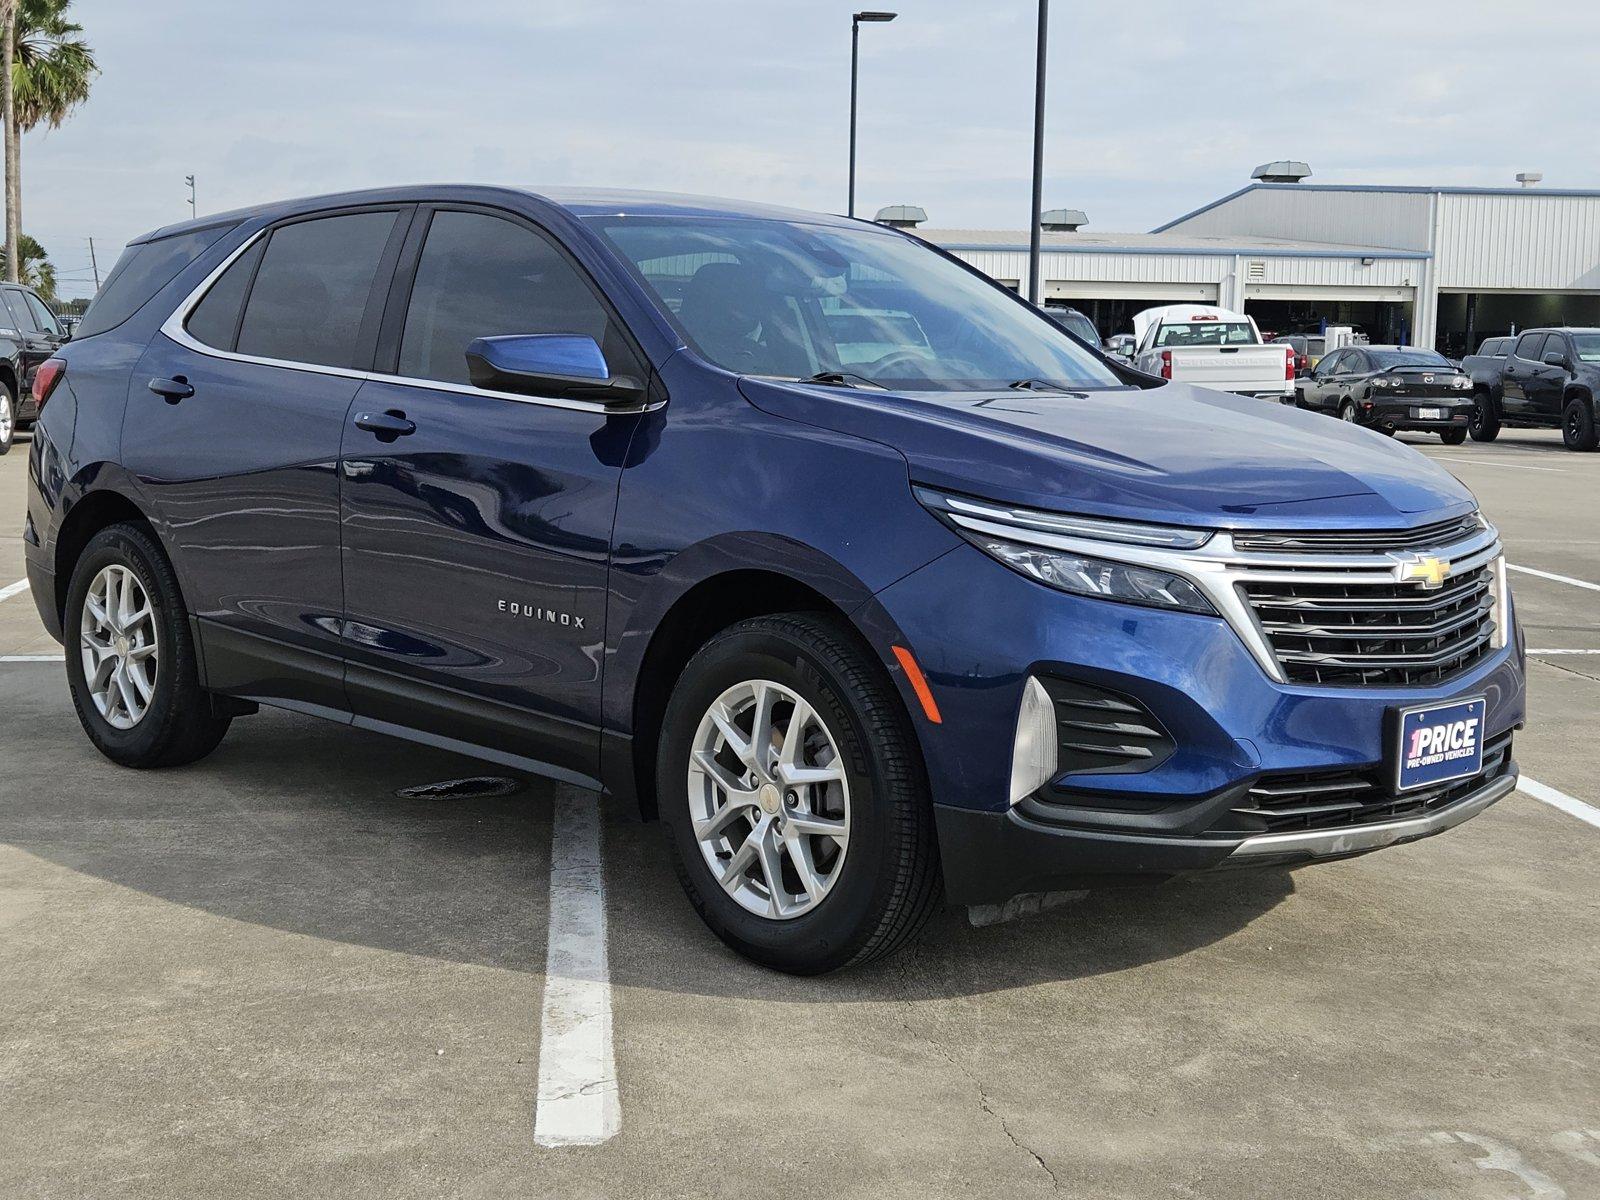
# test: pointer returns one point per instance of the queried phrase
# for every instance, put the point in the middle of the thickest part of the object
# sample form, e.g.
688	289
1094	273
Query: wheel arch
93	512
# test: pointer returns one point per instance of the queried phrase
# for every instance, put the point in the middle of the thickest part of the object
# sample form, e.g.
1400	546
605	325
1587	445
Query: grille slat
1377	541
1305	800
1381	632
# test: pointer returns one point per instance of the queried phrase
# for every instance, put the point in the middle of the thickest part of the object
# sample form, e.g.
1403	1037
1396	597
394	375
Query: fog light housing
1033	753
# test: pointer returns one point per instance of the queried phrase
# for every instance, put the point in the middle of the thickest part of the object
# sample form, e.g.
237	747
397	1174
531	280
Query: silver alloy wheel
8	420
769	799
1348	413
120	646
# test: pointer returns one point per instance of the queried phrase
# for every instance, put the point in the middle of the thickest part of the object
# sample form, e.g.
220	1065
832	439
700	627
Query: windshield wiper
1035	385
842	379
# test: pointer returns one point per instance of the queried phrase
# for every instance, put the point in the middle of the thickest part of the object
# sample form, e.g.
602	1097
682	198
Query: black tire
179	724
888	883
1577	425
1452	437
8	417
1347	412
1484	423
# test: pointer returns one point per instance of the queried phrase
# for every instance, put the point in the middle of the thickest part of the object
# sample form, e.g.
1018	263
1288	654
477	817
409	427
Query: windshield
1207	333
1587	345
792	300
1383	360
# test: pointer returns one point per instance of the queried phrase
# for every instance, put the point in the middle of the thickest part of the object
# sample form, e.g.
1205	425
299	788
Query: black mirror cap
1556	359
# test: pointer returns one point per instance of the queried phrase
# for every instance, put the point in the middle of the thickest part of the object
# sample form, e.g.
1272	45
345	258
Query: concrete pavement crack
985	1100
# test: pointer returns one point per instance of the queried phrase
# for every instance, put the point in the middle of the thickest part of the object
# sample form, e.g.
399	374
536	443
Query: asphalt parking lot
267	975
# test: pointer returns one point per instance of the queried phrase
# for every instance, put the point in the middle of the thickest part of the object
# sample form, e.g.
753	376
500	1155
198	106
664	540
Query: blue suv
837	557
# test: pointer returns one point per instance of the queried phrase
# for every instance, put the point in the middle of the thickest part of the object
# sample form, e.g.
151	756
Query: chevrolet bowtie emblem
1425	569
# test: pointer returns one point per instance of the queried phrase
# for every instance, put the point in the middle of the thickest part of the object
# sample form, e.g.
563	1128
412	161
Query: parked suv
1541	379
29	334
799	533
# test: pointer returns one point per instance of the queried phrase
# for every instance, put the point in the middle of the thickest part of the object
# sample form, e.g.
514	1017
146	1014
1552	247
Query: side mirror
563	365
1555	358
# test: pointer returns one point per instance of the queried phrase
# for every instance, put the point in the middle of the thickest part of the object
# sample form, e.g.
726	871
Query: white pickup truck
1212	347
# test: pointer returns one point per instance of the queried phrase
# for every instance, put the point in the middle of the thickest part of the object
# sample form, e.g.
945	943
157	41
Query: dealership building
1444	266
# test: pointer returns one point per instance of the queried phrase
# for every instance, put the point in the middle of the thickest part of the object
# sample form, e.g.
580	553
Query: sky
1152	108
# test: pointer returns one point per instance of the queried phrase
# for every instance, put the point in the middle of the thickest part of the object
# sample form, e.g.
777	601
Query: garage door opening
1384	322
1466	318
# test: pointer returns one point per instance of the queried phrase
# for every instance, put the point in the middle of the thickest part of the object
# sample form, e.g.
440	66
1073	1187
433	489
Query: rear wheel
793	793
8	417
1347	412
1577	425
1452	437
130	655
1484	423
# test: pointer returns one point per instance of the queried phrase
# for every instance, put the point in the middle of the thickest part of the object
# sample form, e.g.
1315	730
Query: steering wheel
914	363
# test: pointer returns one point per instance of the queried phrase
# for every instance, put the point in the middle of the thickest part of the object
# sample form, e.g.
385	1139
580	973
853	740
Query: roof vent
1282	171
1529	178
901	216
1063	220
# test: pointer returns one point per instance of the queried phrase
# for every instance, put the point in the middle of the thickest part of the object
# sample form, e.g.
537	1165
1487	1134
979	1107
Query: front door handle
173	390
386	425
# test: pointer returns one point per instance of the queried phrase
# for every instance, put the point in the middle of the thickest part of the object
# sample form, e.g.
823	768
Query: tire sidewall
9	401
115	546
1577	425
830	934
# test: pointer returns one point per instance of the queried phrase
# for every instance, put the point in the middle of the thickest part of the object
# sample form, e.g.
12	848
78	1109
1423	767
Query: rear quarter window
142	271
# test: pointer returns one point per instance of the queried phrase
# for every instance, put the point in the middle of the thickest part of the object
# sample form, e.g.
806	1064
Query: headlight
1098	578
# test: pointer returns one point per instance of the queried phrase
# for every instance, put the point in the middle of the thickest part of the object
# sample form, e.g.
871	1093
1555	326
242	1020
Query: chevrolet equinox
796	532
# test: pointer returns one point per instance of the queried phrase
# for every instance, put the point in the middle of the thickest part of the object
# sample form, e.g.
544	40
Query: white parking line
1583	583
5	658
1489	462
1587	813
579	1102
13	589
1564	651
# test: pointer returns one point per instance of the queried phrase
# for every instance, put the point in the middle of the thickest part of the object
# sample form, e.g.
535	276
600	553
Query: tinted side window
479	276
140	273
1528	346
1354	363
312	288
215	320
21	317
42	314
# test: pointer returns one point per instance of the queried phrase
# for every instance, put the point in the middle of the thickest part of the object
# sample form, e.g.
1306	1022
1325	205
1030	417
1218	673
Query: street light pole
1034	230
855	58
189	179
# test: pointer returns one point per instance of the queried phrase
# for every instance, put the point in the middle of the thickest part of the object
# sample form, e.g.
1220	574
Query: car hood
1175	453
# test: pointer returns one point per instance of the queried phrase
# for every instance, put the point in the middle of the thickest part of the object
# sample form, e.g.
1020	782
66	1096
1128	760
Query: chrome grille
1385	633
1329	799
1369	541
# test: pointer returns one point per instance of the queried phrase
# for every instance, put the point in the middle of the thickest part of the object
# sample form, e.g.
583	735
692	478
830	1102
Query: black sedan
1389	388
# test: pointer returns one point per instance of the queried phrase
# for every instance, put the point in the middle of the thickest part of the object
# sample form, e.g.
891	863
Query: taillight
1289	361
1166	364
45	379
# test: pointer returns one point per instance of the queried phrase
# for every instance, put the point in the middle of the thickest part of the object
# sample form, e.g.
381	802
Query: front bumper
980	631
1000	855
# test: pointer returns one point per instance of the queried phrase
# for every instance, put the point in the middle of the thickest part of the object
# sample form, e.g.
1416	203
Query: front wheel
1577	426
1452	437
130	655
1484	422
794	796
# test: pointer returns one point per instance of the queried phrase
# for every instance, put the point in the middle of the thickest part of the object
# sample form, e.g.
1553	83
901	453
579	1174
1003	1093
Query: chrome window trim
173	329
1218	570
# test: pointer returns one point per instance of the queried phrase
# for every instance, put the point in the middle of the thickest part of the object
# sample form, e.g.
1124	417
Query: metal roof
1398	189
1154	243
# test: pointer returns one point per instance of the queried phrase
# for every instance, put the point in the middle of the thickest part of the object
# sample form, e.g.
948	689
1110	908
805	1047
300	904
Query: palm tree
35	268
47	71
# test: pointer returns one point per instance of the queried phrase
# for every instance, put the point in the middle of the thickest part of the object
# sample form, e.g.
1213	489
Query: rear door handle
386	425
173	390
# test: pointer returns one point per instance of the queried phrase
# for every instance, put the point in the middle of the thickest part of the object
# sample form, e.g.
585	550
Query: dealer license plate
1430	414
1439	743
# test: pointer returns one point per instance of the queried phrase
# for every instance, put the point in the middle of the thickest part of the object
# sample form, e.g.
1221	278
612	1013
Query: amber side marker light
919	683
